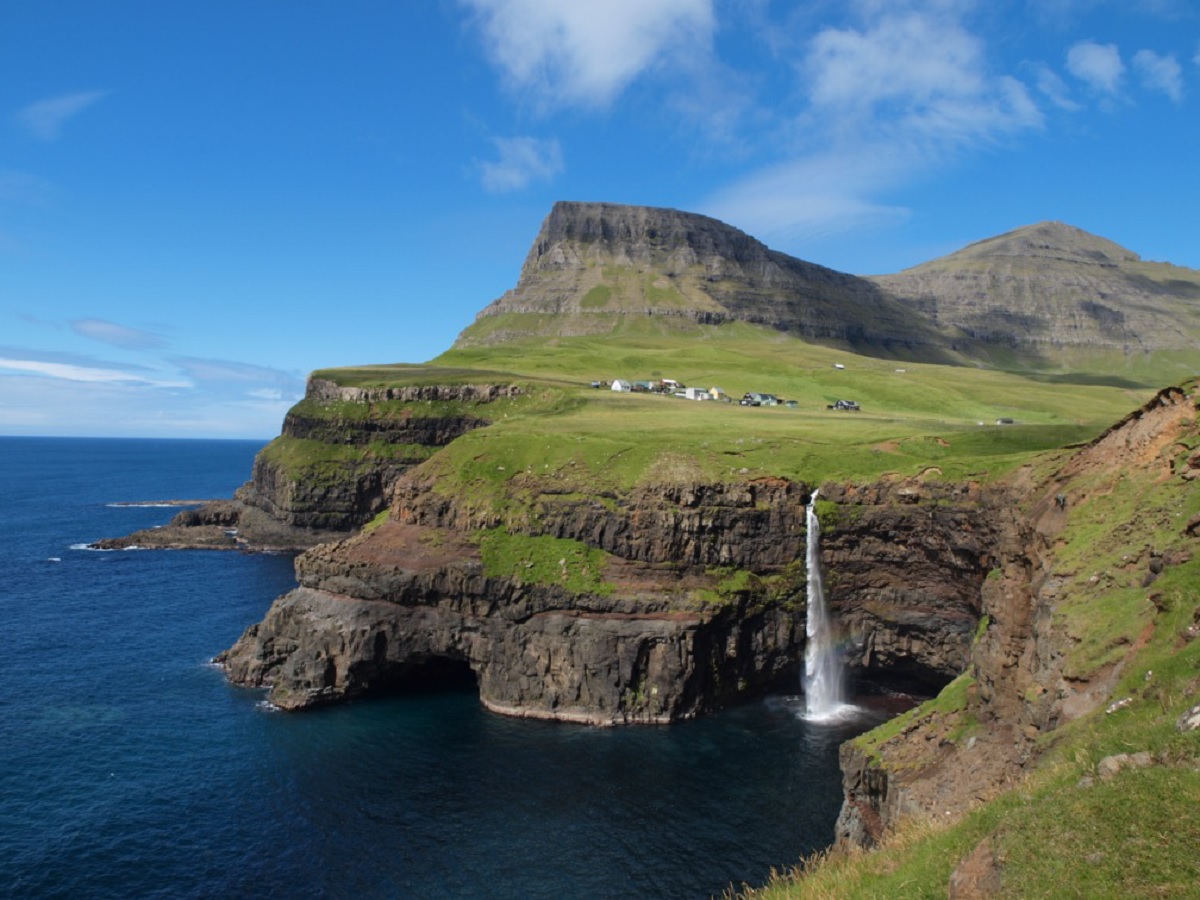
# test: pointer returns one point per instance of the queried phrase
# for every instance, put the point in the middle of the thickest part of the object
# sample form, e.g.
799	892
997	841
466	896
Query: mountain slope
599	268
1054	296
1047	299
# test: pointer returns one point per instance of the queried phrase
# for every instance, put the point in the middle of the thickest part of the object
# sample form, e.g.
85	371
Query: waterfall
822	667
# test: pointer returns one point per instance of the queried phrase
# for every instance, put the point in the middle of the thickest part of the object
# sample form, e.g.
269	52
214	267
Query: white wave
155	504
54	559
267	706
94	549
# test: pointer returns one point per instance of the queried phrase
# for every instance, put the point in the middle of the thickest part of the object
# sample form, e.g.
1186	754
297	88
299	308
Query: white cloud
1051	85
228	372
117	335
1097	65
47	406
888	100
564	52
45	118
522	161
813	196
1160	73
71	372
910	59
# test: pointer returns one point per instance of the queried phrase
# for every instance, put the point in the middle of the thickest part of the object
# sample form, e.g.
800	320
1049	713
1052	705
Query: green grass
596	298
951	699
544	560
732	585
562	436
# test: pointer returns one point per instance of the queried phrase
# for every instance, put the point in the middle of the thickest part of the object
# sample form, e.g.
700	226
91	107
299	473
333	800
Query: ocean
130	768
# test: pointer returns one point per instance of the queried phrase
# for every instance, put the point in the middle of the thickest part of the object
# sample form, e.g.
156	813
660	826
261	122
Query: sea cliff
647	605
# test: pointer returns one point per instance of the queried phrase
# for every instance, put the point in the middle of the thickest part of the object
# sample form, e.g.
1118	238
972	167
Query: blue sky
200	203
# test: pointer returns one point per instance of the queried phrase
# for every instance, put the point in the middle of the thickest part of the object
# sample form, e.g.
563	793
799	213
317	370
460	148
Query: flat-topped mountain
596	267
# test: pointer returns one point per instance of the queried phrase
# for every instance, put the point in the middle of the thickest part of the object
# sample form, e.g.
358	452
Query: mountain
595	268
1048	298
1050	295
614	558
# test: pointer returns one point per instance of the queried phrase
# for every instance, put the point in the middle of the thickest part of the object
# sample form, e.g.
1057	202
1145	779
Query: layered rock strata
667	635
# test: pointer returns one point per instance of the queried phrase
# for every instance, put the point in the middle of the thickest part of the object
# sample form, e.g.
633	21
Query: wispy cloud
46	119
259	382
563	52
1097	65
1050	84
906	89
75	371
117	335
1160	73
813	196
522	160
41	405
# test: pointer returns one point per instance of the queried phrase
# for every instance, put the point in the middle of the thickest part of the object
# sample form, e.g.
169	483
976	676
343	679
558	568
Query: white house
694	393
620	384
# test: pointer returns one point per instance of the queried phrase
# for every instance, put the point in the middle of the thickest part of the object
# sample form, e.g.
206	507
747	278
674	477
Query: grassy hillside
1072	827
1133	835
564	435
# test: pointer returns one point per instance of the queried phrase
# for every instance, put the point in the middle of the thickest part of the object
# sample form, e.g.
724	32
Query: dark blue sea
129	768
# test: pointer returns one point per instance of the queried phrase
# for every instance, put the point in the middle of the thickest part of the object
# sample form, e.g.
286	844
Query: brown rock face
379	610
904	568
664	642
296	500
1019	689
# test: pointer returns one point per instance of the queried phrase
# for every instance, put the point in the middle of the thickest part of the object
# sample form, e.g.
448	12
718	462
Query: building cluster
669	387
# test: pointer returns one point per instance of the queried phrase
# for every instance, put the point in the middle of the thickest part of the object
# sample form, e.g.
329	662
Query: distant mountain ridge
1044	297
1052	287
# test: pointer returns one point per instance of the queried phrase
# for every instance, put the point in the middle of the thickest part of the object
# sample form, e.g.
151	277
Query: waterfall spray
822	667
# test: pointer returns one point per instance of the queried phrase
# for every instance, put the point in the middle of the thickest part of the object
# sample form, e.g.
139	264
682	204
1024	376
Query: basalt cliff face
332	469
666	635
